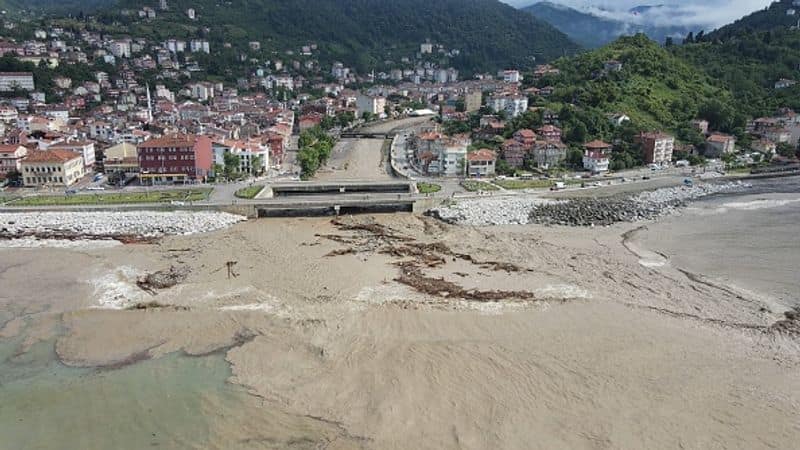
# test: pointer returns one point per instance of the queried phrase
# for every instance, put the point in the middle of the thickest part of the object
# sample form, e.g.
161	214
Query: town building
52	168
784	83
84	148
11	156
512	104
596	156
657	147
481	163
701	125
548	153
549	132
122	158
374	105
11	81
764	146
473	101
719	144
510	76
177	158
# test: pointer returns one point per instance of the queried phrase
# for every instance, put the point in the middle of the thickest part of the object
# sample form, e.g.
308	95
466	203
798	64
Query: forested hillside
488	34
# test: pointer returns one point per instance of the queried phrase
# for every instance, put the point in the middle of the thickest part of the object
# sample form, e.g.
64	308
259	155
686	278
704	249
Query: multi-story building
84	148
657	147
472	101
175	158
8	114
120	48
11	156
514	152
52	168
548	153
481	163
719	144
199	46
512	104
550	132
10	81
596	156
510	76
374	105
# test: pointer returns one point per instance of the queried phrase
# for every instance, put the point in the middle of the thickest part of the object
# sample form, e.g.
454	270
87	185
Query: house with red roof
52	168
481	163
596	156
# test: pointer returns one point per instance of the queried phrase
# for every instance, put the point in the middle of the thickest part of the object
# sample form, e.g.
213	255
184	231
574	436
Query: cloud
709	14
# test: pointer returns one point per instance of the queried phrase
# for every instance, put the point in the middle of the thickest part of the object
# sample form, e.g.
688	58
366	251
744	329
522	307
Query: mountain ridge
594	31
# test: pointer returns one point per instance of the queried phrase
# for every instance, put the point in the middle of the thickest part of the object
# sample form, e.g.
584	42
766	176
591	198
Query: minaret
149	105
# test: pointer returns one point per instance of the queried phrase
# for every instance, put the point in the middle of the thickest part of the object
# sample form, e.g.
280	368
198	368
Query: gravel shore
145	224
579	211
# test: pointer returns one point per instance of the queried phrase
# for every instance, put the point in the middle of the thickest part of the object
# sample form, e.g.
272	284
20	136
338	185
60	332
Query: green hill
655	88
771	18
488	34
748	64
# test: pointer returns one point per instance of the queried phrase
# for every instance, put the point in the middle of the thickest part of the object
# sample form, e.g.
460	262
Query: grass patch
428	188
249	192
475	186
191	195
531	184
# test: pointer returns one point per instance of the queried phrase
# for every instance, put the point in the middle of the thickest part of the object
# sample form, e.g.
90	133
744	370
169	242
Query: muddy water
747	240
165	403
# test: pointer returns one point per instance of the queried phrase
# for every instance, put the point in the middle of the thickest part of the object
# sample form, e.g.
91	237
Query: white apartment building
373	105
512	104
120	48
199	46
9	81
510	76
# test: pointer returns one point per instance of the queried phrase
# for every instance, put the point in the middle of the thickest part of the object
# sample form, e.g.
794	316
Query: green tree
257	165
231	165
786	150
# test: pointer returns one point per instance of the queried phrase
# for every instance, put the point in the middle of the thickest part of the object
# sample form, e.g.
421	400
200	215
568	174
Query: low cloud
707	15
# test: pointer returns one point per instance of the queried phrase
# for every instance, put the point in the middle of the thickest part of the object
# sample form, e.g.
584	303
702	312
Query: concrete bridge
338	188
366	135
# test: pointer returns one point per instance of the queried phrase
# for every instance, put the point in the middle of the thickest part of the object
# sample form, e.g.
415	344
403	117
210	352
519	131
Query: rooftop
51	156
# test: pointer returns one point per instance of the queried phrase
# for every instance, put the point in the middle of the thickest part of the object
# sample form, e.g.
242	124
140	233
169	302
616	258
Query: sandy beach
398	331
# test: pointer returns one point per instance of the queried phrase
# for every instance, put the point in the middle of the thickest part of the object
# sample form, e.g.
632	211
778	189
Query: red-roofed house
52	168
719	144
596	156
550	132
481	163
526	137
176	158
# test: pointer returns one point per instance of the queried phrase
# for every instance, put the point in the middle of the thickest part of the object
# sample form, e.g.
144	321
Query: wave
758	204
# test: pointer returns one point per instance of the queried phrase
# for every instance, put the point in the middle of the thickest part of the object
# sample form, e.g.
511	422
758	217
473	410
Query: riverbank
395	331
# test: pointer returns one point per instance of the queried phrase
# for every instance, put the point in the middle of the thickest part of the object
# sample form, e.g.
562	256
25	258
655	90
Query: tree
257	165
577	133
669	42
786	150
574	157
231	165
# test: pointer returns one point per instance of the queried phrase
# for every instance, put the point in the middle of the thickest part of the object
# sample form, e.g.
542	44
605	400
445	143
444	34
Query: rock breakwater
580	211
120	225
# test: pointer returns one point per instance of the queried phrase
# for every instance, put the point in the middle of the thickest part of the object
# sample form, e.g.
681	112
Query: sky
707	13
